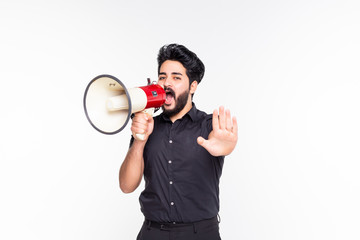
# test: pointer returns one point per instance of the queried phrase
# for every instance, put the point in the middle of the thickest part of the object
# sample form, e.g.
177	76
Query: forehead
170	66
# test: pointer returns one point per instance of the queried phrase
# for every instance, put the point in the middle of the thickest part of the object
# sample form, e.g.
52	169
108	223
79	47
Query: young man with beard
180	167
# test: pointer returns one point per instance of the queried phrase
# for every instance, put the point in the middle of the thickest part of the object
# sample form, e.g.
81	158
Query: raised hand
223	138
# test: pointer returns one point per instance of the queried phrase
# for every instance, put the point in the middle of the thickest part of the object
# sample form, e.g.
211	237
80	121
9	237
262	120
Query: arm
223	138
132	168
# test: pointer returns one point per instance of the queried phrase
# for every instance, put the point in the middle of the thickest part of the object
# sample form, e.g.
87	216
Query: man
180	167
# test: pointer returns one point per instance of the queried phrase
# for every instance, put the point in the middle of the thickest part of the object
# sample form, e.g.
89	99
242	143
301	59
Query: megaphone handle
150	111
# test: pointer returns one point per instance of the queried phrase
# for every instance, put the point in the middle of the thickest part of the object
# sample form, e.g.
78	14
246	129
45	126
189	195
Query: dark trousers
202	230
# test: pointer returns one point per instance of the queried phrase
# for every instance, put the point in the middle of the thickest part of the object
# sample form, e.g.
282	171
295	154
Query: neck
182	113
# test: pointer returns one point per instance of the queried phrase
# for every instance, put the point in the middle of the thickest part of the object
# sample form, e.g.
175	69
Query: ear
193	87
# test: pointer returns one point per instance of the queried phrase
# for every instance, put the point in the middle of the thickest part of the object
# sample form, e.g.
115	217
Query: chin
169	107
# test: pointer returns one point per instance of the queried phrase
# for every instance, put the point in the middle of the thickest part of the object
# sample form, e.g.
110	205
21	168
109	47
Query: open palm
223	138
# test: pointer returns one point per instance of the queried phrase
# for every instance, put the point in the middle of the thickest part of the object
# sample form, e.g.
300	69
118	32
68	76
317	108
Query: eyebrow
173	73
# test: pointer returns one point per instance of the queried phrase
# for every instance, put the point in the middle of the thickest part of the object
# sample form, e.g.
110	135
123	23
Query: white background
289	71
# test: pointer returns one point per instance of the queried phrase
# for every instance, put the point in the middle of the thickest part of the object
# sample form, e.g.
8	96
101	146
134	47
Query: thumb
201	141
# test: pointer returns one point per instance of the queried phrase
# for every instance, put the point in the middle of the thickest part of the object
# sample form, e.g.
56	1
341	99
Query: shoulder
203	118
202	114
198	115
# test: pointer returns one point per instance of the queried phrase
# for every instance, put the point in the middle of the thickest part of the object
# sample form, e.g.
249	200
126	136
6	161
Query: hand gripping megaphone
108	104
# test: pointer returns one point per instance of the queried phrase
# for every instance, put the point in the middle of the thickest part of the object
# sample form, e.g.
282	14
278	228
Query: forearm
131	170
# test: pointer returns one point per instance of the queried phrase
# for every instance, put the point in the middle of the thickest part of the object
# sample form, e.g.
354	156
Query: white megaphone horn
108	104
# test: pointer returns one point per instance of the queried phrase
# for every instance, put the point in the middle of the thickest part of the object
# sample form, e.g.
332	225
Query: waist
180	226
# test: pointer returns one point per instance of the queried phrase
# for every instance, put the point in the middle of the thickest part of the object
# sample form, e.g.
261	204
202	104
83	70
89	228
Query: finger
222	123
141	117
202	142
149	118
228	120
235	126
138	129
139	125
215	120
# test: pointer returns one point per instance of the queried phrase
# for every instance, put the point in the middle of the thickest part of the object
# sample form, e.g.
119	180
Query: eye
177	78
161	78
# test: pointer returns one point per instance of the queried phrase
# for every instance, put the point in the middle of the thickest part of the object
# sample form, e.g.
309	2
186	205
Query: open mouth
170	96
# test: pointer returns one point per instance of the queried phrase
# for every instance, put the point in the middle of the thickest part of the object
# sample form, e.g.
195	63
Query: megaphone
108	104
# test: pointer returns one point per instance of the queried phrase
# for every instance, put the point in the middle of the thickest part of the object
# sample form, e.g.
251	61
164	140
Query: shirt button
170	161
172	203
170	141
171	182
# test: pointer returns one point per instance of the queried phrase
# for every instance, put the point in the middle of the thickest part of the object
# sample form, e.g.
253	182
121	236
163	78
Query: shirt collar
191	113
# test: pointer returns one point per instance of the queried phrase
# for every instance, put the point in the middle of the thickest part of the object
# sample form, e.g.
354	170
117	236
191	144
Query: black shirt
181	177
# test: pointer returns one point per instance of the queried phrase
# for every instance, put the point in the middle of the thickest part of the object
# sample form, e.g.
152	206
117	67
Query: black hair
195	69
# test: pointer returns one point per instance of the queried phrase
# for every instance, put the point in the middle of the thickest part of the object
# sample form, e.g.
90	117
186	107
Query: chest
174	146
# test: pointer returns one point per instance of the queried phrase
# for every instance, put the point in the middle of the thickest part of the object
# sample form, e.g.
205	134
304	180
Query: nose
165	83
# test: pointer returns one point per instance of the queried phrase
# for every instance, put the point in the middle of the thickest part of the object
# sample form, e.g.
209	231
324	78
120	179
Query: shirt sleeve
209	122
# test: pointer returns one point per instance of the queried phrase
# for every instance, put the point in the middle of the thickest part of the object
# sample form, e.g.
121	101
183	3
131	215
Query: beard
180	103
